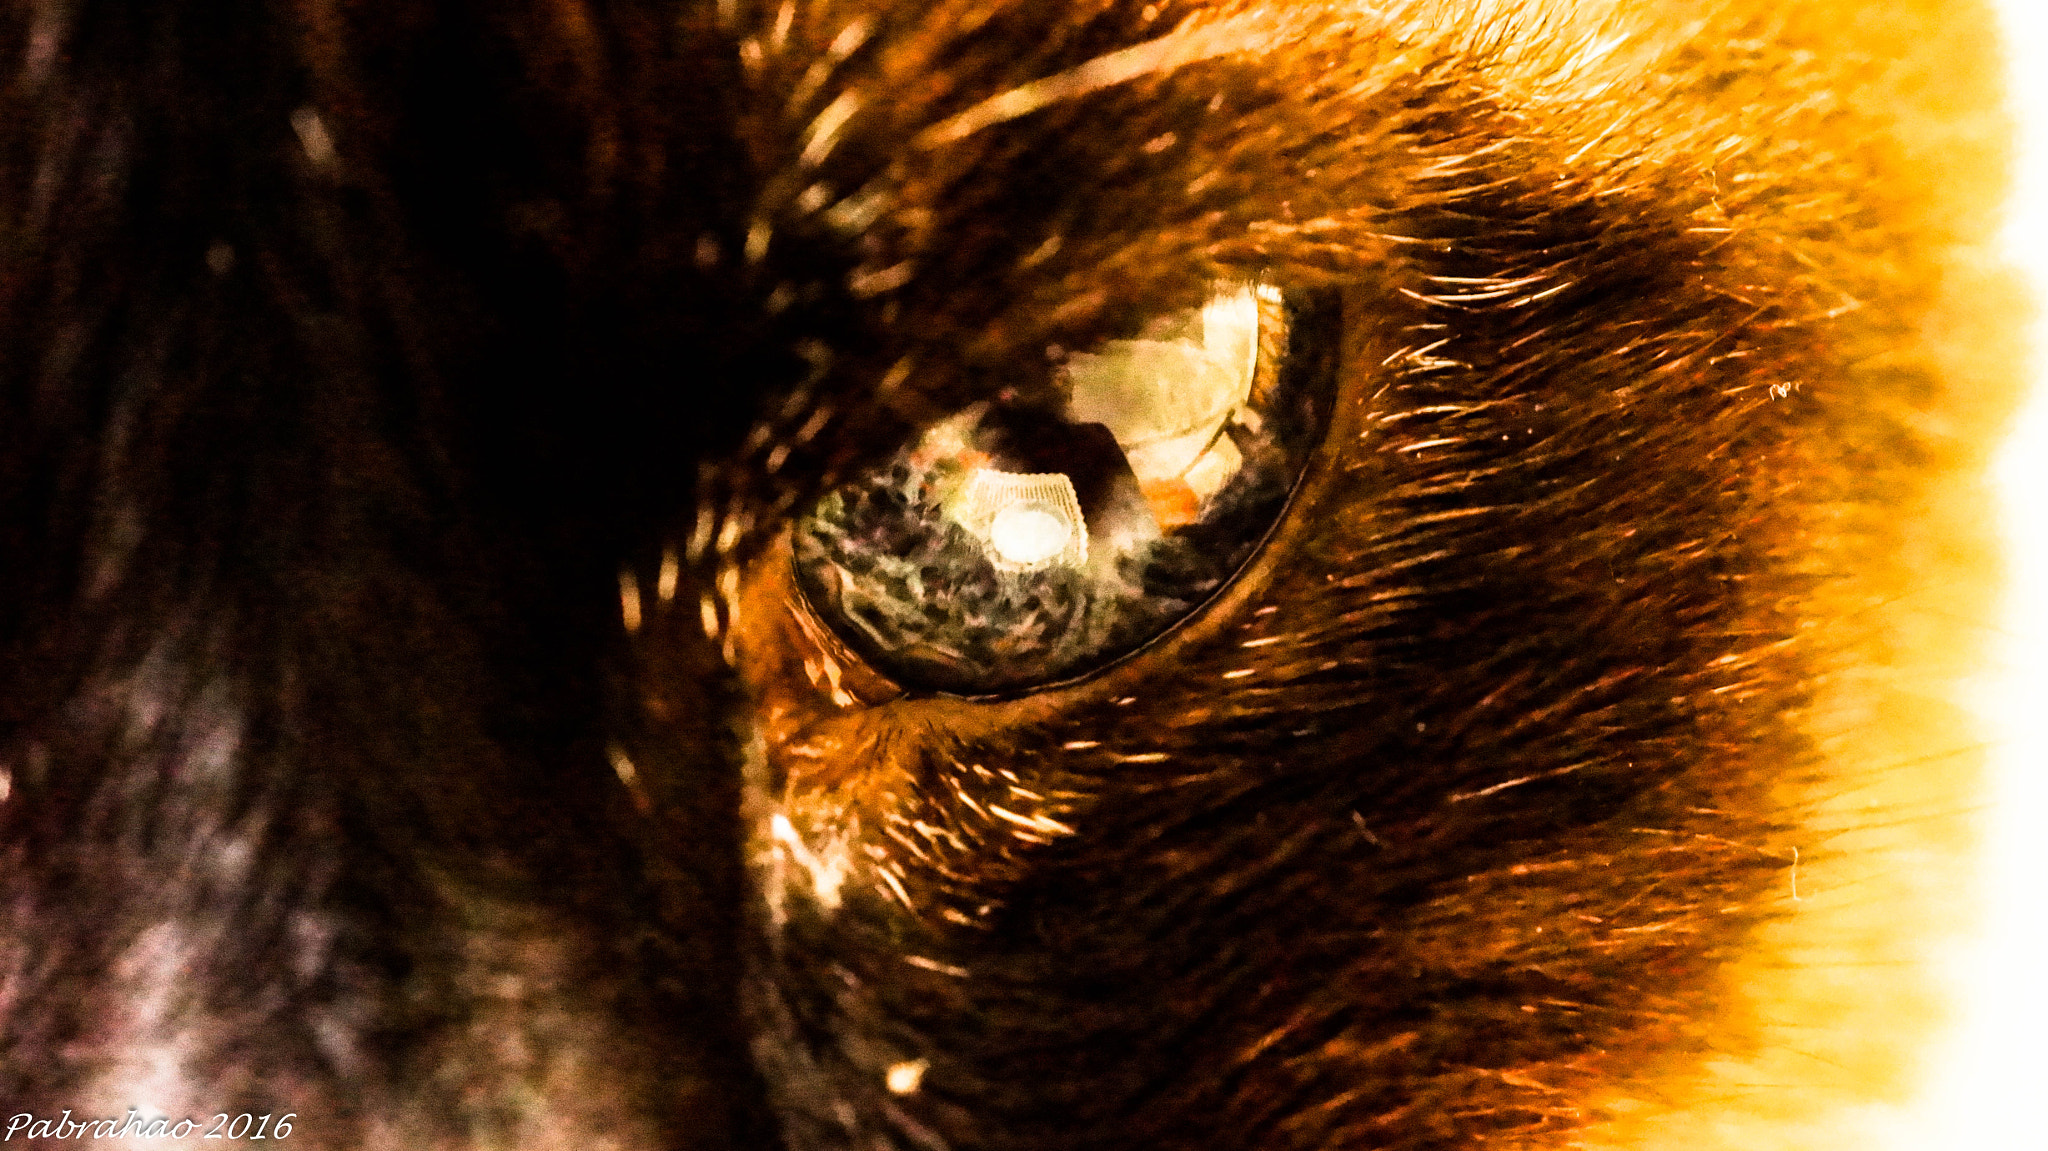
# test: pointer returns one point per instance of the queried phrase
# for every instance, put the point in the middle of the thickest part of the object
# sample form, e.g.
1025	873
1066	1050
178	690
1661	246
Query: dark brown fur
356	362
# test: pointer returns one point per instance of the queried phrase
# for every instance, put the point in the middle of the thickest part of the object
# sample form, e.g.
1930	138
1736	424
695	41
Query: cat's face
993	575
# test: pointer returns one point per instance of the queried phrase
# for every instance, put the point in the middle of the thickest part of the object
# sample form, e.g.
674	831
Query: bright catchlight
1025	520
1027	535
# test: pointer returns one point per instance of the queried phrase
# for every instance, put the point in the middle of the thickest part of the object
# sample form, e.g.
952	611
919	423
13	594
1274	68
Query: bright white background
1987	1087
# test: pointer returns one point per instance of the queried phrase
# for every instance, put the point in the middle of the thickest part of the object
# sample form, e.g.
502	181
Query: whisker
1253	32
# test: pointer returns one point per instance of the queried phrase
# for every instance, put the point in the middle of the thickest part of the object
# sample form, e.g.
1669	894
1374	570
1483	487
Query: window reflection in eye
1016	546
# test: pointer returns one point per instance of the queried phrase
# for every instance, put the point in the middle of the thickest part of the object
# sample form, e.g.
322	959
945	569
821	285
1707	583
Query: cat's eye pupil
1014	546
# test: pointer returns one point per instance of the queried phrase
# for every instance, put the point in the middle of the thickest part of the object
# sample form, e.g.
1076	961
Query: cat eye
1017	545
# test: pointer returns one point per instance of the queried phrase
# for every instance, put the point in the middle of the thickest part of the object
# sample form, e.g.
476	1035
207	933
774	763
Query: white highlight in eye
1025	521
1026	534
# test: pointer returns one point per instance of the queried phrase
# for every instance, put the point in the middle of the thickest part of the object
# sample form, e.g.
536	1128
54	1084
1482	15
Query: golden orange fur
409	720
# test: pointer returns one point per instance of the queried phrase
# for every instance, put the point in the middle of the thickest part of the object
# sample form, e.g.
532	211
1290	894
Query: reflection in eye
1016	546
